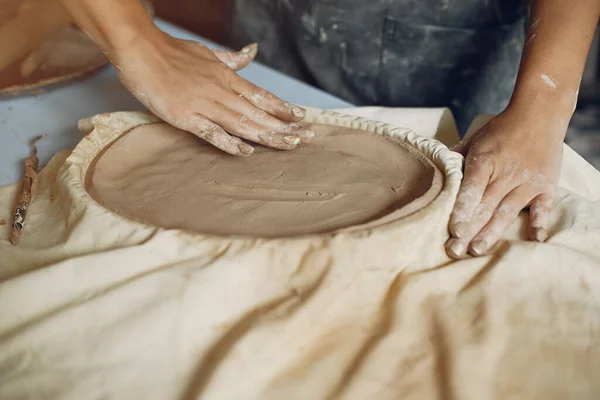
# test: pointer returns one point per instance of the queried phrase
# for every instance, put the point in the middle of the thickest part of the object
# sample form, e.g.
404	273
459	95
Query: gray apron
462	54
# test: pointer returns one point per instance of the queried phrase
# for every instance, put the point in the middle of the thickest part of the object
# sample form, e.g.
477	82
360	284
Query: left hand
511	163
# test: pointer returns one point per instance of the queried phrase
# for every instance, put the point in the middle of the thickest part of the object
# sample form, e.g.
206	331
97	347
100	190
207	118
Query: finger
461	147
477	176
503	217
539	216
237	60
263	119
480	216
456	248
240	125
267	101
493	195
215	135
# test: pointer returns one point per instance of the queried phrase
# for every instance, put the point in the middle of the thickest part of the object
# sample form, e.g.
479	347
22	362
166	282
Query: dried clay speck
548	81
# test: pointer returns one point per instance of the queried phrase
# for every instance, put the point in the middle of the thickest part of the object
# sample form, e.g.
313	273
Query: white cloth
94	306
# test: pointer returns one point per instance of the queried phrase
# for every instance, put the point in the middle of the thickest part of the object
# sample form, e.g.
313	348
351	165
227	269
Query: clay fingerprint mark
2	221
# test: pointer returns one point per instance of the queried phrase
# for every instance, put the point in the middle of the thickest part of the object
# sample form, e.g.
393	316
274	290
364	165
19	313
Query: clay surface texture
346	177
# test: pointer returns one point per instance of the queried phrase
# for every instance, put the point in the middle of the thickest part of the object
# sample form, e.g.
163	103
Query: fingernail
459	229
479	246
456	247
308	134
250	48
298	112
291	127
291	140
540	235
245	149
456	147
271	138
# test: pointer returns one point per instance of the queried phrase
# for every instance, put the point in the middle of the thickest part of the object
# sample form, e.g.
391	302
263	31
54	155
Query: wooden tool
36	22
27	194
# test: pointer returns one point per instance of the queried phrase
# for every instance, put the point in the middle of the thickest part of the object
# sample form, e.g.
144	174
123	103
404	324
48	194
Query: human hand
197	90
512	162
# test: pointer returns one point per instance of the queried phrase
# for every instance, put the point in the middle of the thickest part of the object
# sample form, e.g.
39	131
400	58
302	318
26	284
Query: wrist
125	39
113	24
555	106
128	32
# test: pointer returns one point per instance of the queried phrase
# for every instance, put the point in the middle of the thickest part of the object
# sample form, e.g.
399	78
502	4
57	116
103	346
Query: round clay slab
344	178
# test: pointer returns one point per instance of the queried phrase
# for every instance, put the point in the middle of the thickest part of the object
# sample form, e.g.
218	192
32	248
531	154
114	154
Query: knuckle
536	209
231	63
539	180
484	210
508	171
479	159
459	206
257	95
187	119
227	73
507	211
243	121
525	175
205	90
468	194
175	119
210	133
274	100
260	114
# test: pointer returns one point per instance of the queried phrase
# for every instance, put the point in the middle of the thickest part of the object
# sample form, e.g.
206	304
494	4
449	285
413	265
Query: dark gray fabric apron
463	54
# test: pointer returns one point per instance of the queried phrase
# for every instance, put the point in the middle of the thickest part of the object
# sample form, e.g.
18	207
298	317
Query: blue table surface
56	112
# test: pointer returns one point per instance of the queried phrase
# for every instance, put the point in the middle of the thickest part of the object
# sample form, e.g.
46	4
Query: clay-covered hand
511	163
196	89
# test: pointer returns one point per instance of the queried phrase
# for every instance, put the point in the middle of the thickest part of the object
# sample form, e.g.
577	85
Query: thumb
237	60
462	146
539	215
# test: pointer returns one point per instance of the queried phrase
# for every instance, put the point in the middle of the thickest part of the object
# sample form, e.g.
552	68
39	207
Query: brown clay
345	177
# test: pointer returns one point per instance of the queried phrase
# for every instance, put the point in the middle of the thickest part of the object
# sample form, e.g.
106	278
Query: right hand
197	90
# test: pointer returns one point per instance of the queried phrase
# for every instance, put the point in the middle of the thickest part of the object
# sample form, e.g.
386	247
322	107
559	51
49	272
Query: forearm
113	24
559	37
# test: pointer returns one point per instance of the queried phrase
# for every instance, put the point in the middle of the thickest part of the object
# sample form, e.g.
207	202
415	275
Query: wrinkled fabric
96	306
403	53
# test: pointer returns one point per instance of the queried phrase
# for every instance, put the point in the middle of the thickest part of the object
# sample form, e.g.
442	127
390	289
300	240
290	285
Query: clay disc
344	178
68	56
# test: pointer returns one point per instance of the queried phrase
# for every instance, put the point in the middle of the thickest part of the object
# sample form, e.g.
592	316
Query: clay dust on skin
258	97
540	219
236	59
470	194
231	64
549	81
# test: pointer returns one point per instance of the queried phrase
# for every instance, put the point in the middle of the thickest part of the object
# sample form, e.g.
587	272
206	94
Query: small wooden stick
27	195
